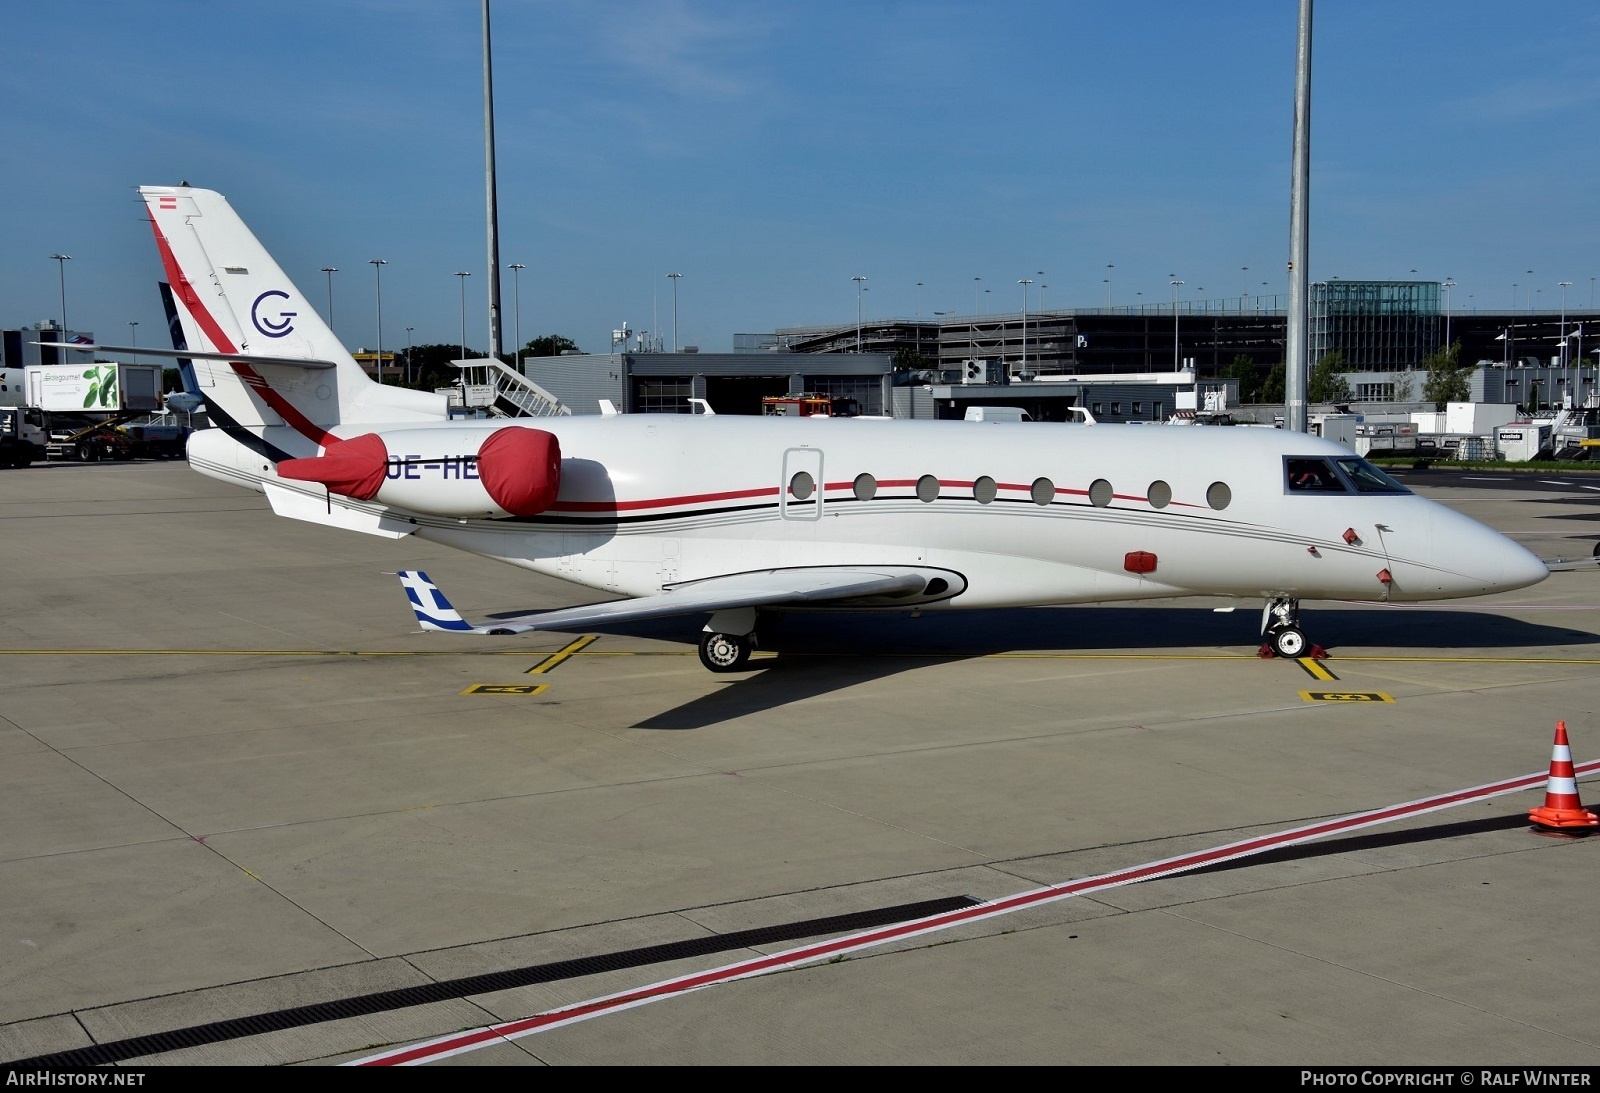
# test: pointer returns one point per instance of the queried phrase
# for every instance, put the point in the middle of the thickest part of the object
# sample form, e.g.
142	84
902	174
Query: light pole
330	271
1025	282
1530	292
377	265
61	261
975	296
516	269
1244	286
1109	267
133	332
919	300
1447	286
408	357
674	278
1176	364
463	274
1564	285
858	278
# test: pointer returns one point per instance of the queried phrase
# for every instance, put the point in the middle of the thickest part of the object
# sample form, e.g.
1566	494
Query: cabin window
1160	494
802	485
1099	408
866	487
1138	408
1368	479
1116	407
927	488
1304	474
1100	493
1043	491
1219	496
983	490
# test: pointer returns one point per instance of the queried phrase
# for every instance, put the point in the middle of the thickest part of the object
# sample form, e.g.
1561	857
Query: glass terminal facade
1378	326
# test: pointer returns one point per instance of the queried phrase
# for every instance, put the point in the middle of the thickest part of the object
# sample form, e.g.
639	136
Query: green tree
907	359
548	345
429	365
1447	381
1327	382
1244	371
1276	383
1403	389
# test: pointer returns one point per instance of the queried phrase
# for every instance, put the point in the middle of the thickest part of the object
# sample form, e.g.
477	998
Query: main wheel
1289	642
88	451
724	652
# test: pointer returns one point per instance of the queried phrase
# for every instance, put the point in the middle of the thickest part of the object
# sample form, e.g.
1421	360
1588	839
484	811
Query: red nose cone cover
354	467
521	469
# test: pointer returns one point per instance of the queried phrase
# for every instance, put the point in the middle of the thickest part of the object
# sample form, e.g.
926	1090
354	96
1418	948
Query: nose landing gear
1281	634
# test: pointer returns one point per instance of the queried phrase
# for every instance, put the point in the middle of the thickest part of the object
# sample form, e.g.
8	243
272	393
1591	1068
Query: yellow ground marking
506	688
1345	696
556	658
1315	669
762	654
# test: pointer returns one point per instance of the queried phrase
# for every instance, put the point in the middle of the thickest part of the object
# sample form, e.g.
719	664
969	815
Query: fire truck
809	404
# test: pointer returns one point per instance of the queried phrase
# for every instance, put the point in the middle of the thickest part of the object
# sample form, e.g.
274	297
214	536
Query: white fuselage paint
651	500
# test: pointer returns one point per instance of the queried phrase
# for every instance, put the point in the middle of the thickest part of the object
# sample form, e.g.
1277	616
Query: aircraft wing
814	586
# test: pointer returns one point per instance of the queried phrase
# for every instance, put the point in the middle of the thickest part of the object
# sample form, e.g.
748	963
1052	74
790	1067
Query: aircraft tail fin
232	298
433	611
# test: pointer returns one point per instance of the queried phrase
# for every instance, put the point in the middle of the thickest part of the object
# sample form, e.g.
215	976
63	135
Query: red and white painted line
461	1042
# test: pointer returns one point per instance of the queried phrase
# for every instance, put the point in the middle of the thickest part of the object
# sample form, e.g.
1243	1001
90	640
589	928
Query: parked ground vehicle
997	413
16	450
809	404
90	412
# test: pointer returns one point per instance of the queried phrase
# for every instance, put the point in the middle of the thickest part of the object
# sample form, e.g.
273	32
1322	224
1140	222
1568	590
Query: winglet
432	609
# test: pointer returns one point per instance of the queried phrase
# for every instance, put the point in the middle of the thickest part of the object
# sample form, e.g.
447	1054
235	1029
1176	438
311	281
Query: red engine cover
354	467
1139	561
521	469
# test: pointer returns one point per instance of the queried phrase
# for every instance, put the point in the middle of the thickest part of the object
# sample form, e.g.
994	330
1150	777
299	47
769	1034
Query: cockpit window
1308	475
1367	478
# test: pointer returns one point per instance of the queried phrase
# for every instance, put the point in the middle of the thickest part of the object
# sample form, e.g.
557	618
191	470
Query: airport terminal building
1127	359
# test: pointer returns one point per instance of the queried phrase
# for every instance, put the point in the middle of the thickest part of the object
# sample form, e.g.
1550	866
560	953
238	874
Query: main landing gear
725	652
1281	634
728	640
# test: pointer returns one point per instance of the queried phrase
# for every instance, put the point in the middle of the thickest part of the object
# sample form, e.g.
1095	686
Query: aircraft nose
1519	567
1494	560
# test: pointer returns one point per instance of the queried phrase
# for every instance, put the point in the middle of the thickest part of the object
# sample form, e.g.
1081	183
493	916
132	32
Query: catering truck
83	411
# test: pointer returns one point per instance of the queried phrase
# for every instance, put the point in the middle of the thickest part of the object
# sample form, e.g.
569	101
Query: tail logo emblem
272	329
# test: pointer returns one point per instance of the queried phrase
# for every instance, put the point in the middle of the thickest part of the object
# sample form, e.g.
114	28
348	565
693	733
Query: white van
997	413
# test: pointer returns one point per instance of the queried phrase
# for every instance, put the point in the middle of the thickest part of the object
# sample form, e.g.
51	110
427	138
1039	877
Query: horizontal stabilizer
814	586
193	354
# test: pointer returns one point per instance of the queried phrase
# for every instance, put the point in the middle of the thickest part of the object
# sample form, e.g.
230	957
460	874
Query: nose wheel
1288	641
1281	635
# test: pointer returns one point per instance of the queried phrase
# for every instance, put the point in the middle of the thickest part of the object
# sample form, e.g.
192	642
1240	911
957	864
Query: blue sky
771	151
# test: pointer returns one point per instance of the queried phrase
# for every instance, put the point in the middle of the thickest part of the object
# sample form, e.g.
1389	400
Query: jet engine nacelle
461	473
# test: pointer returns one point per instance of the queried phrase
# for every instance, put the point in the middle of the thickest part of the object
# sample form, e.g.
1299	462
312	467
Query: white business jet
736	518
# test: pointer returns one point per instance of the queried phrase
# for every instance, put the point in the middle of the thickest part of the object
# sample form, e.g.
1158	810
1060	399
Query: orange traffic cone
1562	813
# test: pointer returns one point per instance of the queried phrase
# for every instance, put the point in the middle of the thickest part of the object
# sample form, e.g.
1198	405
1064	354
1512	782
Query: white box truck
78	411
